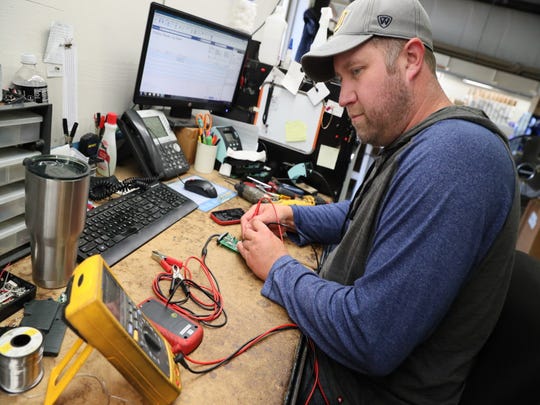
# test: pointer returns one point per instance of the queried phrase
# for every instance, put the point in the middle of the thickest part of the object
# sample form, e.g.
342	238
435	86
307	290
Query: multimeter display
134	323
101	312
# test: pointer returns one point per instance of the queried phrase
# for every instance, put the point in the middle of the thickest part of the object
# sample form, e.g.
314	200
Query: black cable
325	183
180	358
193	284
188	284
204	252
103	187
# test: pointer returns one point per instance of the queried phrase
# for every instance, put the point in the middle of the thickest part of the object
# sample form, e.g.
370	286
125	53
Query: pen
268	100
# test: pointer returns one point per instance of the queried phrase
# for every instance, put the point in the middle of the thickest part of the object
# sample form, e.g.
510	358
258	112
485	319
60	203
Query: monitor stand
181	117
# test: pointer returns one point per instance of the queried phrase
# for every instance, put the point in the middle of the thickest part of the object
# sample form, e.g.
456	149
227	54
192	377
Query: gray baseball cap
360	21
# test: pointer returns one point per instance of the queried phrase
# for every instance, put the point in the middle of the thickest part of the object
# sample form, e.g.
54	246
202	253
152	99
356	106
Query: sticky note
328	157
295	131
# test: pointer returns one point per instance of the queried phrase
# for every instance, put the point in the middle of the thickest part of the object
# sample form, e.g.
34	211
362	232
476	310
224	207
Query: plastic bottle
28	80
322	33
272	40
286	62
107	147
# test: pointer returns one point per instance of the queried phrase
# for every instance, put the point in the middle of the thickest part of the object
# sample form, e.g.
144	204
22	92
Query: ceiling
500	34
531	6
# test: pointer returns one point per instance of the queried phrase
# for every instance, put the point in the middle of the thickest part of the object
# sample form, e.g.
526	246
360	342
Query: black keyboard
120	226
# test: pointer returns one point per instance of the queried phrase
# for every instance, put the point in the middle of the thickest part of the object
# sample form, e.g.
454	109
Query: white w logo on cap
384	20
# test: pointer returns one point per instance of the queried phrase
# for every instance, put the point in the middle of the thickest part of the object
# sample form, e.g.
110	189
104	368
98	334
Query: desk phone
153	143
101	313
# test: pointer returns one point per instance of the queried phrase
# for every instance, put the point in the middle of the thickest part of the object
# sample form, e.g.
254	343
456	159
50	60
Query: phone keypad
174	160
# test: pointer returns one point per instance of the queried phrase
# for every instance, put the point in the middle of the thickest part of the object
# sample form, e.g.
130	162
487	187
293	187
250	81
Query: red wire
256	212
248	346
317	382
5	269
215	306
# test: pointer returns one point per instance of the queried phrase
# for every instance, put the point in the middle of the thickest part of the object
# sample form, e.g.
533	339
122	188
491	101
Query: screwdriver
249	193
278	188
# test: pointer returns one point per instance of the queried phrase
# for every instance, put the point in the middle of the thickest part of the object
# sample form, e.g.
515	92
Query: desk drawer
13	233
18	127
11	167
11	200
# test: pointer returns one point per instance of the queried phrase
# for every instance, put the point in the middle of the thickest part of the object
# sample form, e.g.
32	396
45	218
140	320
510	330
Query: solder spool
21	352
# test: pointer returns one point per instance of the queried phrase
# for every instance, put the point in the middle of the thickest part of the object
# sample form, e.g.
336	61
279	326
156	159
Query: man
424	251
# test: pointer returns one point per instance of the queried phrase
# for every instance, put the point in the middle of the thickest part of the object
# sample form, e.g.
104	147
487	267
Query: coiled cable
103	187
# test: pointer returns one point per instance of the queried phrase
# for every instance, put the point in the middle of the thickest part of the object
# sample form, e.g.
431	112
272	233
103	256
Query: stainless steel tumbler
55	211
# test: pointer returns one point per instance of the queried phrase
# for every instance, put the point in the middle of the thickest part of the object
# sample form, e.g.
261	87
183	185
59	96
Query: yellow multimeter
102	314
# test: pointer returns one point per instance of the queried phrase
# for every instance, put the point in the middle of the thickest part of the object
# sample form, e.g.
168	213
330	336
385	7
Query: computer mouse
201	187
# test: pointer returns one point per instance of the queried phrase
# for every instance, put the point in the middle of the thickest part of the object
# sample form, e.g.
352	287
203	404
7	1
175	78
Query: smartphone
227	217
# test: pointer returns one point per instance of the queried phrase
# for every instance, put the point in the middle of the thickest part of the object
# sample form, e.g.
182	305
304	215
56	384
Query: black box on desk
12	302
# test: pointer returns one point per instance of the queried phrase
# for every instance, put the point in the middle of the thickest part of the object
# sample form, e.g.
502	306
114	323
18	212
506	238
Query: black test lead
73	132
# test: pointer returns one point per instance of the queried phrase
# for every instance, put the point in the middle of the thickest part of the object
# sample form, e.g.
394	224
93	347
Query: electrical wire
104	187
206	297
183	359
269	201
5	270
316	379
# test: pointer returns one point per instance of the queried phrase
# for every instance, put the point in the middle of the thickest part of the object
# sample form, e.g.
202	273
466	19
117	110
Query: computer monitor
188	62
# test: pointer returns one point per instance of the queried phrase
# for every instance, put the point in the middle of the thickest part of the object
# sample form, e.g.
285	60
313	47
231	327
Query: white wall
108	37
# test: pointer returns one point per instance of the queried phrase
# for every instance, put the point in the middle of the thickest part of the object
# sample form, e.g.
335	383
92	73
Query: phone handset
142	146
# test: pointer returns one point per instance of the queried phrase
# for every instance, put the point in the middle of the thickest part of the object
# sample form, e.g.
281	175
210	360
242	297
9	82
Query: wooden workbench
260	375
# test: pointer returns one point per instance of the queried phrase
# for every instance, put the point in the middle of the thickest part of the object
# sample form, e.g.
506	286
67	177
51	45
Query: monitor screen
188	62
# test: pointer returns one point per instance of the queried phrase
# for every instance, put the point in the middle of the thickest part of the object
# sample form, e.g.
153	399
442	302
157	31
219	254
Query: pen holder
205	157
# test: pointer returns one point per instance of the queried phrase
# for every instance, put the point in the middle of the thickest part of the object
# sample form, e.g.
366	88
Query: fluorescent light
477	84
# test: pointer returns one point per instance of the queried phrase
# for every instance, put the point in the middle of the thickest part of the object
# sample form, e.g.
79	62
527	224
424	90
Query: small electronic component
229	241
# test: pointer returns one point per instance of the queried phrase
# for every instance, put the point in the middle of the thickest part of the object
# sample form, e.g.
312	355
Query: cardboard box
529	229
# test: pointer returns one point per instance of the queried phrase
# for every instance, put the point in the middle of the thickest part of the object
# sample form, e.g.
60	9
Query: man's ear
414	52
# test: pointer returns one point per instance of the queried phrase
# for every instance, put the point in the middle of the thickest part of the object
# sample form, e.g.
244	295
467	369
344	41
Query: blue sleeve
319	224
446	204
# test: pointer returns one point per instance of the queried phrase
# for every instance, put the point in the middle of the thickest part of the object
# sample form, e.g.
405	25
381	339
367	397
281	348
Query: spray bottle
107	147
